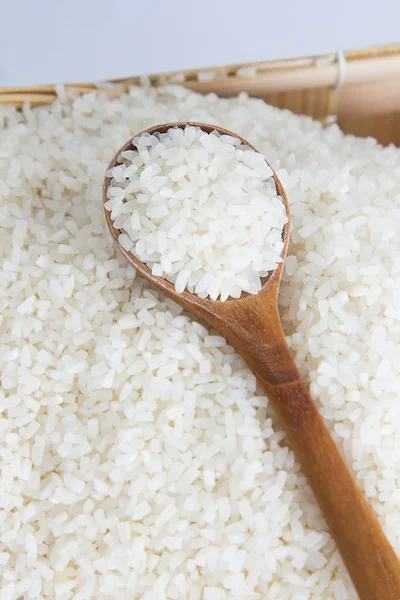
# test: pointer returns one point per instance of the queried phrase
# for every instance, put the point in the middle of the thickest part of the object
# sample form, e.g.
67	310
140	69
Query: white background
49	41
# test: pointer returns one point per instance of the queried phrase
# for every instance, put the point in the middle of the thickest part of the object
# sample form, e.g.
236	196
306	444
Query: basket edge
270	77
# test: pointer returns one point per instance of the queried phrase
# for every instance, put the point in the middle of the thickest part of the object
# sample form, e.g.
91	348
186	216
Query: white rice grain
222	461
213	231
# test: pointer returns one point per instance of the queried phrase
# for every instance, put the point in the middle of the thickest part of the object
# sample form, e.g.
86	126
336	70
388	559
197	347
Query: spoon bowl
251	324
273	278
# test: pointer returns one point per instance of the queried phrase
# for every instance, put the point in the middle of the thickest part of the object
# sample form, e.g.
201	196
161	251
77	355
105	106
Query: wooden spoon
251	324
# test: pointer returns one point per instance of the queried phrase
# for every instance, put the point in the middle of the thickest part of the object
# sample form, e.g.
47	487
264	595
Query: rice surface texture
138	457
200	209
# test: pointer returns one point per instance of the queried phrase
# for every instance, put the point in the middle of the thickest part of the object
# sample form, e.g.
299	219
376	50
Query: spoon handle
254	329
369	558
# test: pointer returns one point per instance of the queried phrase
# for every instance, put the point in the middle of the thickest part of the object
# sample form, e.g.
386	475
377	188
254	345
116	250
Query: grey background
49	41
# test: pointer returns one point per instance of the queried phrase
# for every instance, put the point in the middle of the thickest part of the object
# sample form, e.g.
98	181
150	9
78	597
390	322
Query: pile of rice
200	209
139	459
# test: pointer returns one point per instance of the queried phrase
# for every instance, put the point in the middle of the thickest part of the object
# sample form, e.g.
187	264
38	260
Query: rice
121	481
200	209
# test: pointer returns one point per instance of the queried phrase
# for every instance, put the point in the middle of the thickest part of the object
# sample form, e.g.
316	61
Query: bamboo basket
360	90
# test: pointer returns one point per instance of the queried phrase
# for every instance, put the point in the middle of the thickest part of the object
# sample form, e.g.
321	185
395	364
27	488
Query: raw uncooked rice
200	209
139	460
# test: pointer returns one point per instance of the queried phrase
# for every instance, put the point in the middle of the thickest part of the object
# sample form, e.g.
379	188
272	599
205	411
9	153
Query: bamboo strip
368	70
384	127
272	76
18	98
370	95
367	99
37	98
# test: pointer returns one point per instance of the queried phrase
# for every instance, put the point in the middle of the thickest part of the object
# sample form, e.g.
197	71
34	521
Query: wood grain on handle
369	558
366	552
258	335
371	561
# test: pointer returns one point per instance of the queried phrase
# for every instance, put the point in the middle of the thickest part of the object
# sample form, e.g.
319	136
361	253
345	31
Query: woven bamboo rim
262	79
